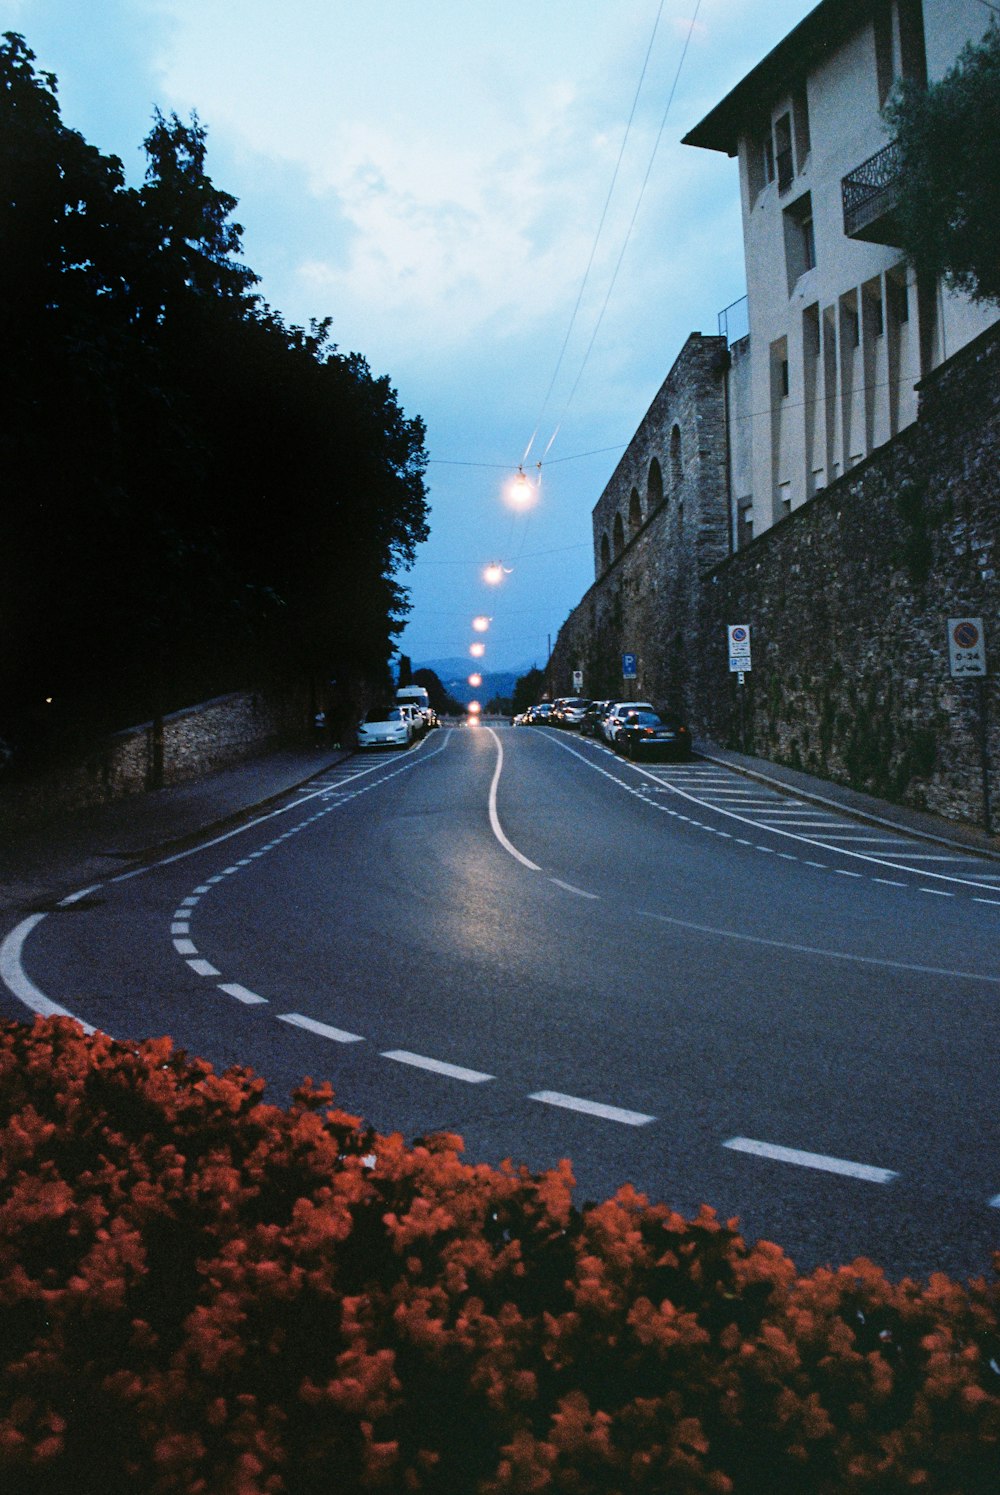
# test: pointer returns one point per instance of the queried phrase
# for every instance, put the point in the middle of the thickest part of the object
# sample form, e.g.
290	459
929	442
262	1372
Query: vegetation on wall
948	181
196	494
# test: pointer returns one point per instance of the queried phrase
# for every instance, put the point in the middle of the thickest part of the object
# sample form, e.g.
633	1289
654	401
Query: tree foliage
197	494
949	171
528	689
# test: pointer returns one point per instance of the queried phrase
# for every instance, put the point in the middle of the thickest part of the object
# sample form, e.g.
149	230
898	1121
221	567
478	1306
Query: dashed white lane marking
203	968
185	947
322	1030
437	1066
812	1160
233	989
592	1108
580	892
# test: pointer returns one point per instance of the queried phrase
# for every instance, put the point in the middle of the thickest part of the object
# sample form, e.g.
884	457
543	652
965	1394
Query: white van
416	695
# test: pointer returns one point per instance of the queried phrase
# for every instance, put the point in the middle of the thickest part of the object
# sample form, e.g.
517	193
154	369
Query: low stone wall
194	742
847	601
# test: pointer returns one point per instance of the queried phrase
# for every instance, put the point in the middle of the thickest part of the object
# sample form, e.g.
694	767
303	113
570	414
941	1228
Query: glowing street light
477	650
475	681
493	573
473	708
522	493
481	623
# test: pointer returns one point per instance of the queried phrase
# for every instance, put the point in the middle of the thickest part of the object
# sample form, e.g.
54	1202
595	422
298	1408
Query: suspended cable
628	235
597	236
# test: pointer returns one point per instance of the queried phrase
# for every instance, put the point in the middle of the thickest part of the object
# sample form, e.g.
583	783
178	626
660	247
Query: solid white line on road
495	819
203	968
437	1066
570	888
322	1029
864	960
72	898
592	1108
812	1160
233	989
13	975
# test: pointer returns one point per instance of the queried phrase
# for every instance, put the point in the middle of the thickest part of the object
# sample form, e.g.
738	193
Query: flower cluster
206	1294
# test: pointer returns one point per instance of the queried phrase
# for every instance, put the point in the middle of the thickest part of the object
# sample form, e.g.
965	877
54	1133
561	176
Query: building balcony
870	194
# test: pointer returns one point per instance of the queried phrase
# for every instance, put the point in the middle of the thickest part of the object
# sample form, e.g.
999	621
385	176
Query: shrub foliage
201	1292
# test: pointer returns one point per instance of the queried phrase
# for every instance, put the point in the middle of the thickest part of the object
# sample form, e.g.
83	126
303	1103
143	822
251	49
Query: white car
415	719
384	726
614	718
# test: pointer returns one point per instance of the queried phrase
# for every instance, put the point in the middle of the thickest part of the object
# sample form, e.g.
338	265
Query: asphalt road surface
669	974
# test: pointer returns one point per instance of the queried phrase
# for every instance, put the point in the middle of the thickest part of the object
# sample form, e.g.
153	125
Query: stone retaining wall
847	601
194	742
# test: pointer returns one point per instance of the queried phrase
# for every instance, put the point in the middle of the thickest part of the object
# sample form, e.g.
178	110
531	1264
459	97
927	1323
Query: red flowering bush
203	1293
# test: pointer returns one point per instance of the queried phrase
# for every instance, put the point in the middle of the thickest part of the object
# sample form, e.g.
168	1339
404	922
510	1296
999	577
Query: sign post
578	681
967	661
628	667
738	639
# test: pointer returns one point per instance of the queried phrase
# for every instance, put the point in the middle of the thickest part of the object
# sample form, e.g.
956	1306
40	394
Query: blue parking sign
628	667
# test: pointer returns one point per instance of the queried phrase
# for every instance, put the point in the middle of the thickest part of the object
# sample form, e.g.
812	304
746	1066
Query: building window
883	50
783	378
634	511
618	535
800	238
800	117
767	157
605	552
783	152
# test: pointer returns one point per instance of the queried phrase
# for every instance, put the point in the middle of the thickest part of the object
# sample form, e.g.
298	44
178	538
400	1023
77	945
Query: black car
647	734
590	721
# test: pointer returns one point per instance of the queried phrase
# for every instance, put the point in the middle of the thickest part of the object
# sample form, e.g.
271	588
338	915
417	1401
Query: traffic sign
966	647
577	680
628	667
738	635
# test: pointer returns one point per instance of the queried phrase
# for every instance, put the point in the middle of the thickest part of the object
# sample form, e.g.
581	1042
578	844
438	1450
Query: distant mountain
454	676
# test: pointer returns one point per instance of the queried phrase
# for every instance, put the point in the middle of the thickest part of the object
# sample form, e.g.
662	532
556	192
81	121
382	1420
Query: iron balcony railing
870	191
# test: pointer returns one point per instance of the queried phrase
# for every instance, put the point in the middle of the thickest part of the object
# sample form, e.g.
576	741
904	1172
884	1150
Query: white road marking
818	1160
437	1066
322	1029
203	968
181	927
592	1108
72	898
495	819
233	989
13	974
580	892
185	947
864	960
994	1203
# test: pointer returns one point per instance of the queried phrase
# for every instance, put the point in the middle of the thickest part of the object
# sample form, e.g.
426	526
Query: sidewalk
865	806
42	863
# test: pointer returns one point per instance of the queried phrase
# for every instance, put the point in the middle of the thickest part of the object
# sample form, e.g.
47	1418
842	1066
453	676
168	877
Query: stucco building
840	329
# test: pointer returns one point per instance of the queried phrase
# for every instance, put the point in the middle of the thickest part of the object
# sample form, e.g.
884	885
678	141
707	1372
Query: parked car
571	711
541	713
590	722
647	734
614	718
384	726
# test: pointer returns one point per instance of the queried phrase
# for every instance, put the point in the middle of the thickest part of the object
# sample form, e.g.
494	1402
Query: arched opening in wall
618	535
654	486
605	552
634	512
676	462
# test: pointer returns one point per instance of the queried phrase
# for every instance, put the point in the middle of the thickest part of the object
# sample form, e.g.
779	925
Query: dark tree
198	496
442	701
949	171
528	689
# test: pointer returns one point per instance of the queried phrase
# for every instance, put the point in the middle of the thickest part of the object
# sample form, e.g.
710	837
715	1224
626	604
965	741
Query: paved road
669	974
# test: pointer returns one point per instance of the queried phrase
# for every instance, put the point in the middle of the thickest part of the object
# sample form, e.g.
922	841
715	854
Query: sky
490	200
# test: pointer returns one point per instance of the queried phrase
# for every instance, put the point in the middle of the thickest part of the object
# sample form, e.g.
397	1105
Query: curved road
671	975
